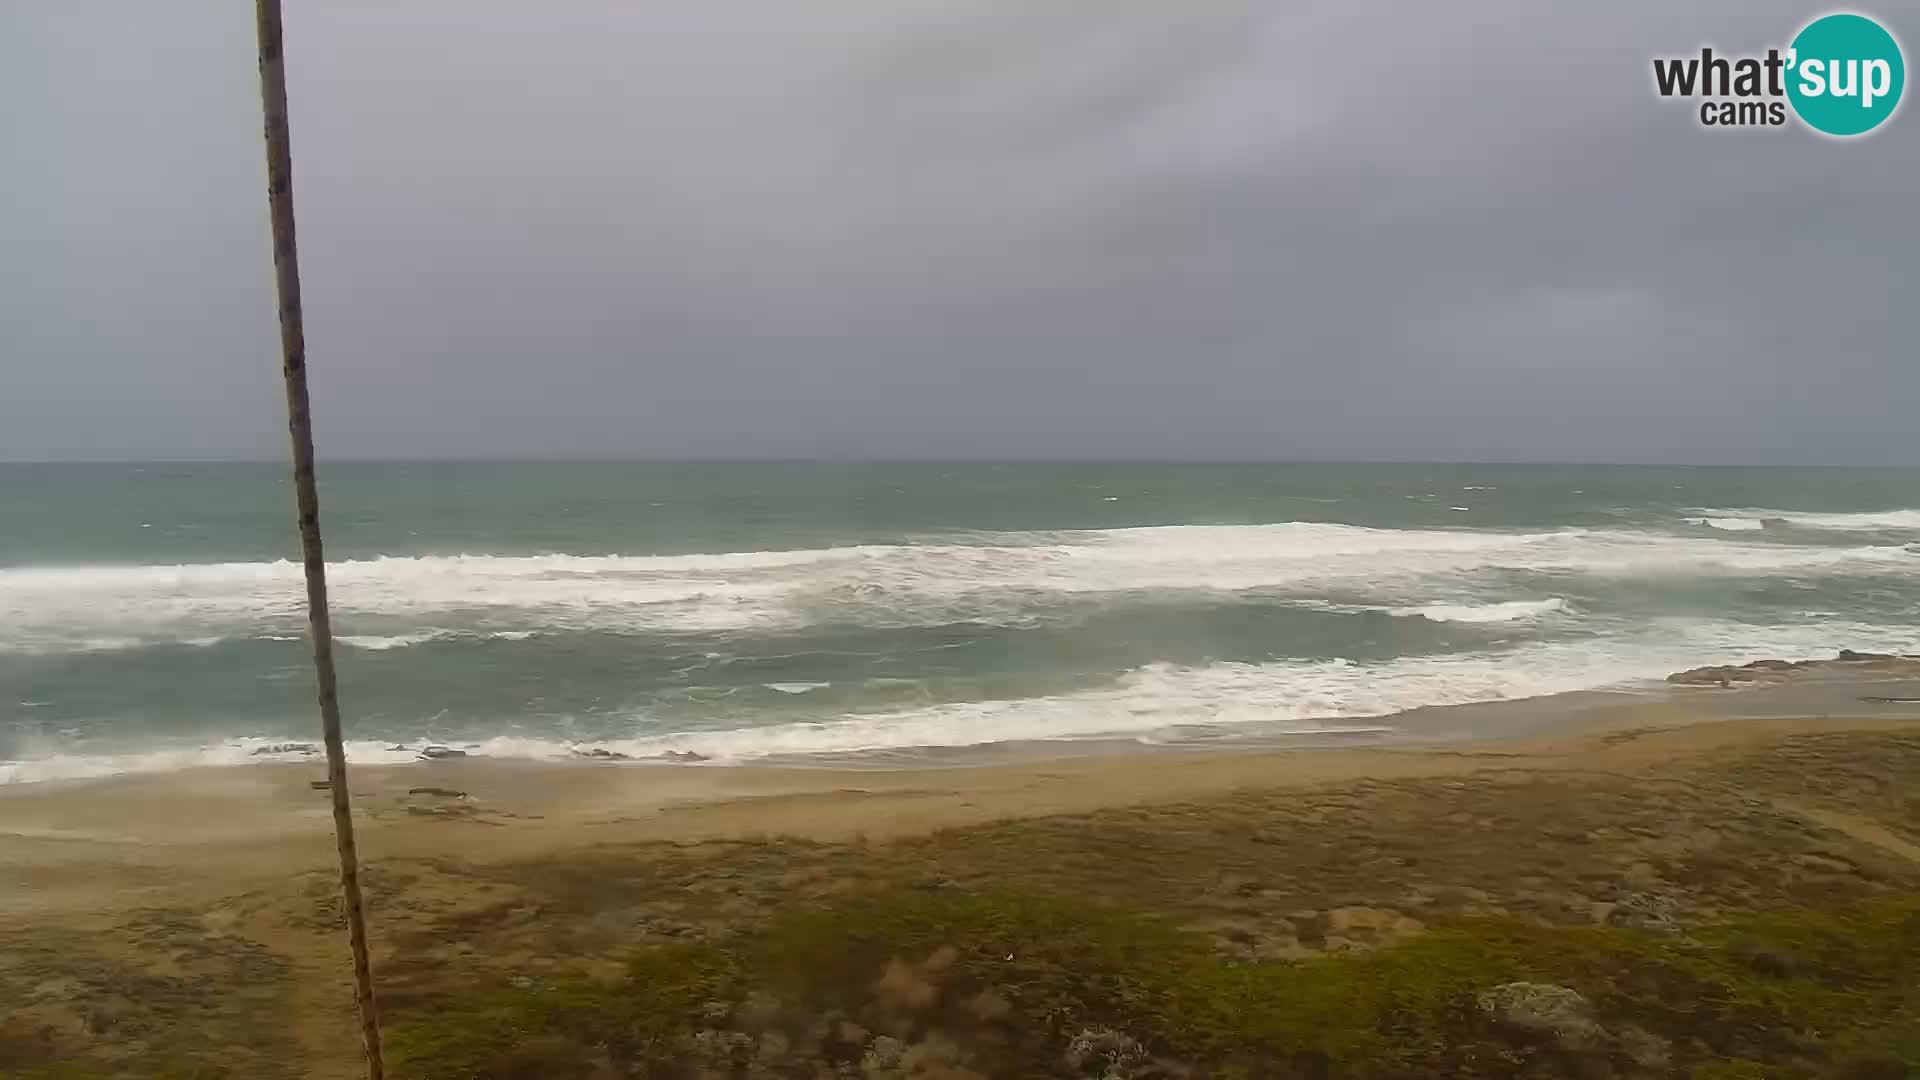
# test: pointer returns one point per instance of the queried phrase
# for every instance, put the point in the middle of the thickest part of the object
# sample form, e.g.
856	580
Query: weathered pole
293	365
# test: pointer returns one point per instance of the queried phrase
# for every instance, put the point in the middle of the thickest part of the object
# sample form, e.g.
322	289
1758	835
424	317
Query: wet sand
116	842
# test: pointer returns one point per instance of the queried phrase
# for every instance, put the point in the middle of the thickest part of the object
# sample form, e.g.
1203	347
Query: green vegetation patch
1000	984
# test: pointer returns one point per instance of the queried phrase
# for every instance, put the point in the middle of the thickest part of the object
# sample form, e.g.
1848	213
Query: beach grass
1002	985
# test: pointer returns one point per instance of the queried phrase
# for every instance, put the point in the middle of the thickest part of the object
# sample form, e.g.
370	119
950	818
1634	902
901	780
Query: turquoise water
150	616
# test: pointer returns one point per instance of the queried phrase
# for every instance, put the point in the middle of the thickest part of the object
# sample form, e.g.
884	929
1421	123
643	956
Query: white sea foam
1309	697
169	758
383	642
796	687
1505	611
1010	578
1864	521
1730	524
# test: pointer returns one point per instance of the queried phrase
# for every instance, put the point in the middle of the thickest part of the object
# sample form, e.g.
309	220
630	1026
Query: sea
152	616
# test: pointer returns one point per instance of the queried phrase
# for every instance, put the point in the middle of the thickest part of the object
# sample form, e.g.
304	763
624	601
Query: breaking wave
1154	703
1862	521
994	578
1504	611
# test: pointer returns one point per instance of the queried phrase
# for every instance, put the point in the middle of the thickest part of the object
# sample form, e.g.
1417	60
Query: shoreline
107	842
1775	687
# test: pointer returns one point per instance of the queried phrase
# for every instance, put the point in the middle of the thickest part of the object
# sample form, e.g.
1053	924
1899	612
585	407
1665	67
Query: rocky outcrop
1106	1053
1562	1020
1563	1016
883	1056
1727	674
1766	671
1646	911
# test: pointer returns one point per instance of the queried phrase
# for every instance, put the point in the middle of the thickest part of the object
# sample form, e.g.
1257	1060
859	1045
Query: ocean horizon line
1009	460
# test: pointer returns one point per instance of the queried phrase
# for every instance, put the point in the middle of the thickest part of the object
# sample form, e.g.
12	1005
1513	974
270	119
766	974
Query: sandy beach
62	843
220	879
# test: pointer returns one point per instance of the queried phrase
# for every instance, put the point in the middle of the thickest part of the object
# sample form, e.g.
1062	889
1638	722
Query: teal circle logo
1845	74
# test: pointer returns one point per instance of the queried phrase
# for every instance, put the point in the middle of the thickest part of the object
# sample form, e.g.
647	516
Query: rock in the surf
286	748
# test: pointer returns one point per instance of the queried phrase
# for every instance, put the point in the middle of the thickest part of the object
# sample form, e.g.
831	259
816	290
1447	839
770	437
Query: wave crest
1857	521
1151	703
1506	611
1003	578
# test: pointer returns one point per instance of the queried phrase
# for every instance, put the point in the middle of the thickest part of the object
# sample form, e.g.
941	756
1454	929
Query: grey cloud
941	228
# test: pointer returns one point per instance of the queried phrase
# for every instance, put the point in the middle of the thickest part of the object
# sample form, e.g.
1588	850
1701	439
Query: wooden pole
293	365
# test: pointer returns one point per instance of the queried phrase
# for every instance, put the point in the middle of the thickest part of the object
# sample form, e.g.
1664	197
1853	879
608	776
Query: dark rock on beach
286	748
1775	670
1848	656
1728	674
601	754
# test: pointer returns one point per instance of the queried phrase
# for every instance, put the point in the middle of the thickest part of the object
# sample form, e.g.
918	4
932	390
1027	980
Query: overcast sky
1339	229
